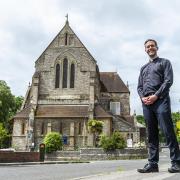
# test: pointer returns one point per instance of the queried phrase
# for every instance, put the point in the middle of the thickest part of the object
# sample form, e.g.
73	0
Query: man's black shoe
148	168
175	168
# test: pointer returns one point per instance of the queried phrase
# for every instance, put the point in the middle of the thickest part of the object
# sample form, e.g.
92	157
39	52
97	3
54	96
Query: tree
175	117
18	103
3	136
7	103
95	127
53	142
140	119
178	130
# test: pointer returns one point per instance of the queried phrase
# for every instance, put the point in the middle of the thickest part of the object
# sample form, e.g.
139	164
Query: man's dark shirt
155	77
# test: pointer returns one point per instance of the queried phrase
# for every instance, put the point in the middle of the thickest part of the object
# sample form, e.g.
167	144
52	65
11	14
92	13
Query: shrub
107	143
53	142
116	141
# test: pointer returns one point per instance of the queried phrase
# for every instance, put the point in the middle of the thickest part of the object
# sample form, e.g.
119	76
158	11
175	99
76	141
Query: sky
113	31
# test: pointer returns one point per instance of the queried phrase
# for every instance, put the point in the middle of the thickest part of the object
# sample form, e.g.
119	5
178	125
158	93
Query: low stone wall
92	154
100	154
63	155
9	156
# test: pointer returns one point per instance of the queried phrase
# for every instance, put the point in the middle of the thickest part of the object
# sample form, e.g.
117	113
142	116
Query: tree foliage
178	130
3	136
175	117
140	119
53	142
18	103
9	104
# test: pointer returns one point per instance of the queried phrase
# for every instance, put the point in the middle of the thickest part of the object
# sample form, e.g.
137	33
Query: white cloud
113	31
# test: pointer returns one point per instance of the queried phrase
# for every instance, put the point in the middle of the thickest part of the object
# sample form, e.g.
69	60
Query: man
155	80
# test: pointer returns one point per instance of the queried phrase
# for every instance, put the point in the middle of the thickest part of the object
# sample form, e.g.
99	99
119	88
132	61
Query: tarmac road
96	170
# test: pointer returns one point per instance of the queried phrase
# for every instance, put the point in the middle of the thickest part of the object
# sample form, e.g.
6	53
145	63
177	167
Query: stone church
67	90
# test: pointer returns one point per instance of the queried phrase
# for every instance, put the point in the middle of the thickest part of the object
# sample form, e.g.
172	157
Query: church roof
53	111
111	82
100	112
24	113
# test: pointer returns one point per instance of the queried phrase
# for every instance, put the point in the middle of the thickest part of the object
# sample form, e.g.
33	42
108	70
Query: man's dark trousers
160	113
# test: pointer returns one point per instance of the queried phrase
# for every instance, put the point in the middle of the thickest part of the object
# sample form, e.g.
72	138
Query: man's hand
144	100
149	100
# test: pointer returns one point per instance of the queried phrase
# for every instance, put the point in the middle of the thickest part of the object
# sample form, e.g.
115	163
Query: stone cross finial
66	18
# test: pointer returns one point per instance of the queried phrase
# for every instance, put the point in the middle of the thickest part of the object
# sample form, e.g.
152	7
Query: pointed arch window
61	128
57	76
65	66
42	128
72	76
80	128
66	38
23	128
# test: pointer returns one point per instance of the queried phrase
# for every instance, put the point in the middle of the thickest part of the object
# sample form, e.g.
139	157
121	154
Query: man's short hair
151	40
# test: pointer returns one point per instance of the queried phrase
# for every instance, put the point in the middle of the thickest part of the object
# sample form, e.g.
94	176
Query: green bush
116	141
107	143
119	140
53	142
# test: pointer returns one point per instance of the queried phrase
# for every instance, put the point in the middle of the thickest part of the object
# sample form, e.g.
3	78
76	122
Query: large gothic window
72	75
57	76
65	69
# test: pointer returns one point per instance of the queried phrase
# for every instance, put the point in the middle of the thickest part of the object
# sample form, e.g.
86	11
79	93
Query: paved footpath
134	175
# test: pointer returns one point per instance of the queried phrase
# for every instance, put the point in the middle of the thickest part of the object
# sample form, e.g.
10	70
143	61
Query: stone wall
63	155
19	139
100	154
91	154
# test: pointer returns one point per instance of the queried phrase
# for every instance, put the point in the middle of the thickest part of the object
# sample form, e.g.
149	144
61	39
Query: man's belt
149	94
